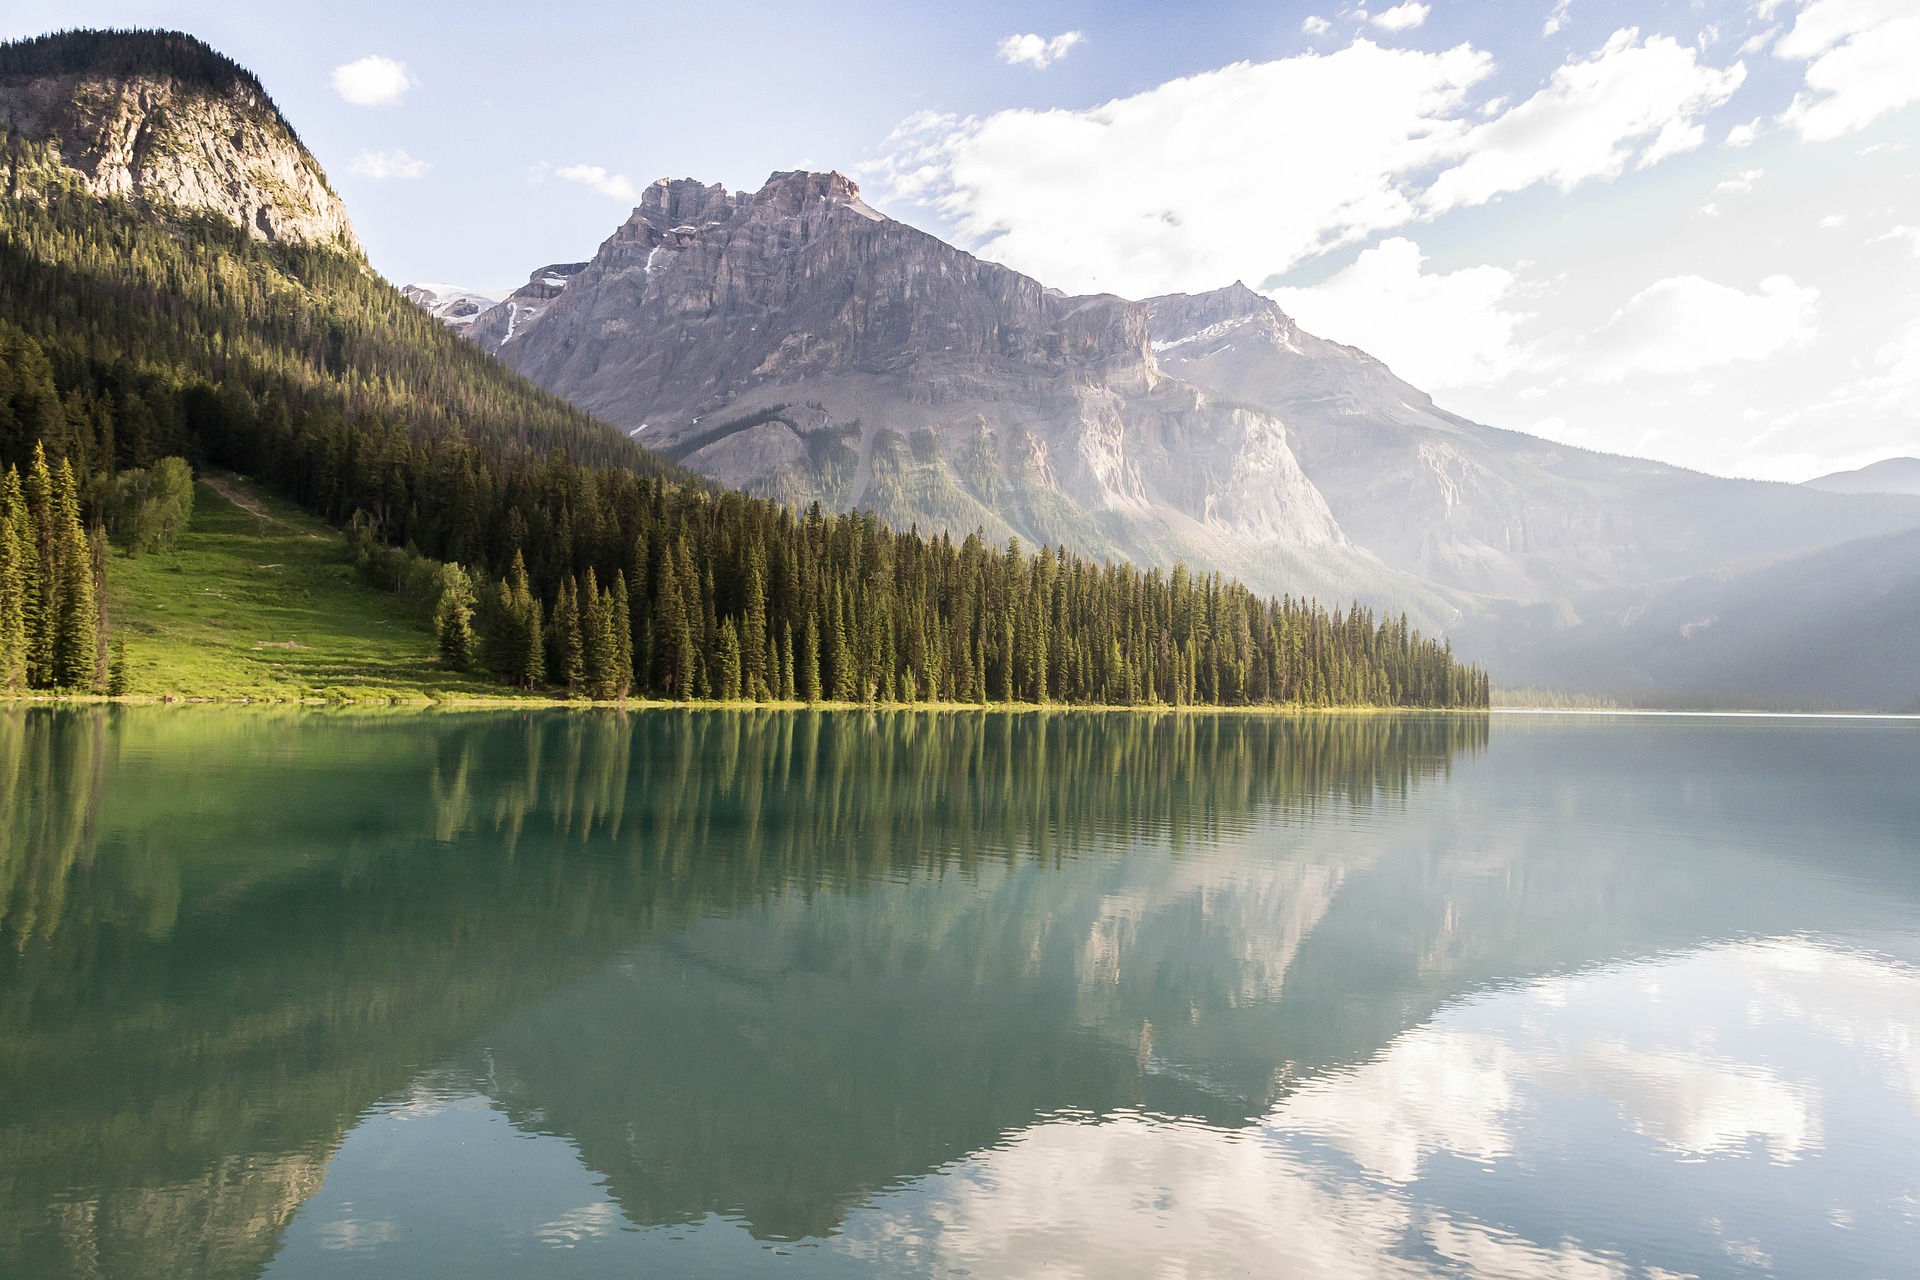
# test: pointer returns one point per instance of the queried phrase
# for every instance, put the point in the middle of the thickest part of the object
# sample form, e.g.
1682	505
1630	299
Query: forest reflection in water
225	933
927	993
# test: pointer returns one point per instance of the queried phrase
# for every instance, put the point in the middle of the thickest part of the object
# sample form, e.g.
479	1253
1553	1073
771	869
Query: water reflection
472	994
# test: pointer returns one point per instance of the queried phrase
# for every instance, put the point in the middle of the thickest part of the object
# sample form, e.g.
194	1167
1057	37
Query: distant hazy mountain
798	343
1827	629
1890	475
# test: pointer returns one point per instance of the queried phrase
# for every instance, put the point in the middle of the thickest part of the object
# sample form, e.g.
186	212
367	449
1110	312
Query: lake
707	993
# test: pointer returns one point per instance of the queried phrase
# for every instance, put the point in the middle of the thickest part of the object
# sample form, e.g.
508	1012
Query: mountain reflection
225	934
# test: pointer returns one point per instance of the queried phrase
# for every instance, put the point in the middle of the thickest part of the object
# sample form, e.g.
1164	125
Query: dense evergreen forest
561	554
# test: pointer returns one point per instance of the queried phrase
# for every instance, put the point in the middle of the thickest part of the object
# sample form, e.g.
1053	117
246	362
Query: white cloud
1434	330
1556	20
1232	174
1685	324
616	185
1217	176
1590	120
1903	232
1315	25
1834	221
1038	52
1742	182
393	163
373	81
1402	17
1742	135
1861	56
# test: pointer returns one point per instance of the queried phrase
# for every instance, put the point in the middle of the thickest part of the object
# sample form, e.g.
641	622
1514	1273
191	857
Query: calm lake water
809	995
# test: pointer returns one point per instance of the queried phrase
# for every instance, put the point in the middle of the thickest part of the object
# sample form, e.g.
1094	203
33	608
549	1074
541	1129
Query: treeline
687	594
584	562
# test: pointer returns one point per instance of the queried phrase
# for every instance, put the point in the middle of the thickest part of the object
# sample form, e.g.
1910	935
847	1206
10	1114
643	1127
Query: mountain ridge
1889	475
865	363
798	343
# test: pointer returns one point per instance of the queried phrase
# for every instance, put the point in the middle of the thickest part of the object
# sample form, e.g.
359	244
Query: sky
1687	231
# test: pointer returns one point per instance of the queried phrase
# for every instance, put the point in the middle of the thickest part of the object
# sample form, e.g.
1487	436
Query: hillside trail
245	501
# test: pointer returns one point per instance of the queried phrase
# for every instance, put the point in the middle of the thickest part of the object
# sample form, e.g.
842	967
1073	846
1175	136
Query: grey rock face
796	343
166	144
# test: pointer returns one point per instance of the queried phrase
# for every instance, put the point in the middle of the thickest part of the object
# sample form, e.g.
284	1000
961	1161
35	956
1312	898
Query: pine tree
754	636
39	606
727	662
622	621
786	662
565	660
15	549
599	651
810	660
76	620
117	674
453	618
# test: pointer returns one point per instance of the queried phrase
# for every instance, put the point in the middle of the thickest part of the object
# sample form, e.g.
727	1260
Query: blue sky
1687	231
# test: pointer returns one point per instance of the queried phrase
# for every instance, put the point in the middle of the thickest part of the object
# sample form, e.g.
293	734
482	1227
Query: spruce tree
754	636
810	660
786	662
453	618
598	650
76	621
622	622
727	663
42	572
565	661
14	564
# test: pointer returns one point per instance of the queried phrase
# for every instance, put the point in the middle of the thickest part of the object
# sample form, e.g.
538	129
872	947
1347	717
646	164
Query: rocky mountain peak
792	191
160	120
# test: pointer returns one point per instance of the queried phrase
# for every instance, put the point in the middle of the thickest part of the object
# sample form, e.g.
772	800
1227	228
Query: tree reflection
224	934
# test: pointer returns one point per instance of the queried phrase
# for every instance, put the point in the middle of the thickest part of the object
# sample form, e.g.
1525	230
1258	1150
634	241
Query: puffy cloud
1038	52
1556	20
1231	174
1742	135
1590	121
1435	330
381	165
1861	56
373	81
616	185
1315	25
1685	324
1218	176
1402	17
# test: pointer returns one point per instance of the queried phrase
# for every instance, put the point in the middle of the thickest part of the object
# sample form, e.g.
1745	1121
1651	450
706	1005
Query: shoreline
530	702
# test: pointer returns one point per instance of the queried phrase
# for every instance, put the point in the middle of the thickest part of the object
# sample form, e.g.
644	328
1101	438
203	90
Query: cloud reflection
1684	1071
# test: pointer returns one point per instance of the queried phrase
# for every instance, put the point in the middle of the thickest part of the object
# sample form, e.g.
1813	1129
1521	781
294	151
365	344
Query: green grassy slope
267	606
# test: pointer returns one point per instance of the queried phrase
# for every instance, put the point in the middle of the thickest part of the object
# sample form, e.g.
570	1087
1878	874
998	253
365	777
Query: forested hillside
565	555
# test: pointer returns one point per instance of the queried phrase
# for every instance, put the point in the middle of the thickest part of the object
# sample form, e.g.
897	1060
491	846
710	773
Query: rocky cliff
159	119
795	342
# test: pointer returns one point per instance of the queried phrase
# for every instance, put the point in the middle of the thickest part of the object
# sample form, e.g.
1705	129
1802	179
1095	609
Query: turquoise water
737	994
